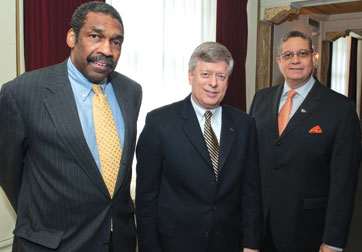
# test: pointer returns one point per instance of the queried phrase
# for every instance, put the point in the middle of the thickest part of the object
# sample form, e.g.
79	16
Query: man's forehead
95	19
295	41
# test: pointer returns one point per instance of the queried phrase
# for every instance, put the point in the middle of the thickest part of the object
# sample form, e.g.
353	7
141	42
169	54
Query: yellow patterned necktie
211	142
109	147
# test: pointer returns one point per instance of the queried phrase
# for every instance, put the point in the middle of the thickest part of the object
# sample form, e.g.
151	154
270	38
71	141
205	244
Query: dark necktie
211	142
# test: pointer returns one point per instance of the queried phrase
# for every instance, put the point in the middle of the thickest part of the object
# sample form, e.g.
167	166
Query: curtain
46	24
352	81
329	74
232	31
359	78
340	65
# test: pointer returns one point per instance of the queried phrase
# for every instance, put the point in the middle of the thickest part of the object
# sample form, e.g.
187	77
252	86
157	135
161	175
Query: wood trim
18	64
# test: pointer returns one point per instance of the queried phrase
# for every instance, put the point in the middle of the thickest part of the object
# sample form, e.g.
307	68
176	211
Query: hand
250	250
324	248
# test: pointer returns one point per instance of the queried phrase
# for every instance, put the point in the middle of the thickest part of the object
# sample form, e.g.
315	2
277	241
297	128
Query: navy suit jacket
308	179
49	174
179	205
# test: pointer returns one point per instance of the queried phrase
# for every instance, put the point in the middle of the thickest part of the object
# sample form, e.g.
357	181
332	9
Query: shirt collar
81	84
302	91
200	112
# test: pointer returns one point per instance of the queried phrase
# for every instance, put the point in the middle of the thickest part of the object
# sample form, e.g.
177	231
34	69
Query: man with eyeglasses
309	145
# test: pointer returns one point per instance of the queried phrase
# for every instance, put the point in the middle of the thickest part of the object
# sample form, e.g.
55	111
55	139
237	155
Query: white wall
8	72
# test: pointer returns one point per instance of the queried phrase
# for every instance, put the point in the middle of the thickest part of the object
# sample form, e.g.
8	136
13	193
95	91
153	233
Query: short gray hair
211	52
294	34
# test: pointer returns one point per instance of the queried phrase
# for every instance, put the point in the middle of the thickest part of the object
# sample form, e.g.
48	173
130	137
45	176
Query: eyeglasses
301	54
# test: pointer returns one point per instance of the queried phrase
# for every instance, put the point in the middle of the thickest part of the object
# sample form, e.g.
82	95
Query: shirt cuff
335	248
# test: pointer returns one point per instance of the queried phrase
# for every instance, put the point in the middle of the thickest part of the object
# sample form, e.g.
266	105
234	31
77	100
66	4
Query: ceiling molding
278	15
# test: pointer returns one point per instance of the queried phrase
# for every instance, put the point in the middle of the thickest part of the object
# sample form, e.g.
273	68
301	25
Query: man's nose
295	59
213	80
105	48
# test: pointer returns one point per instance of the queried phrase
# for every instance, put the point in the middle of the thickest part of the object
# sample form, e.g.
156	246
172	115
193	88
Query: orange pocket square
316	129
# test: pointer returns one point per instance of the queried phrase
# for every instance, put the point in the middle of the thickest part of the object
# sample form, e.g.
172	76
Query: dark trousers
268	243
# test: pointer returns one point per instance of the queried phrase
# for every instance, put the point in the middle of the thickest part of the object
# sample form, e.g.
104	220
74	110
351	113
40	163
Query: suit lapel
227	136
309	105
192	129
121	93
62	108
273	113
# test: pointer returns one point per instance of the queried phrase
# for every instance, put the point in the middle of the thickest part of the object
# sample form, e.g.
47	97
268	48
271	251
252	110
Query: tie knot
291	93
97	89
208	115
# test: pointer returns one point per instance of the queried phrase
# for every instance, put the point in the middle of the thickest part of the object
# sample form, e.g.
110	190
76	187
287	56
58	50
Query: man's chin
97	78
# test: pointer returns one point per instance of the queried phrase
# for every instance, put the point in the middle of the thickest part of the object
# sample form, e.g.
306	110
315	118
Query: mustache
109	59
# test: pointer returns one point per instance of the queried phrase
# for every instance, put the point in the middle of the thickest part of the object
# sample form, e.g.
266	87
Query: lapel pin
303	110
231	129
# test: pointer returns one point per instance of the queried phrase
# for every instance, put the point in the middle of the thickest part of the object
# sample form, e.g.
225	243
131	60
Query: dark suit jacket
49	174
308	179
179	205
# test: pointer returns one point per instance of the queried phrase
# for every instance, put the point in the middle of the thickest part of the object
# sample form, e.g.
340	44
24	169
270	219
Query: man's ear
278	60
191	75
71	38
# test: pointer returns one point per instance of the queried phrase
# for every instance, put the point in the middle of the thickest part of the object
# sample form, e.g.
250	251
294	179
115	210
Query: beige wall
250	64
8	72
8	40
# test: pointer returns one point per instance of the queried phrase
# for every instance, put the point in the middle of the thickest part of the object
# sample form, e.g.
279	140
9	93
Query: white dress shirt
215	119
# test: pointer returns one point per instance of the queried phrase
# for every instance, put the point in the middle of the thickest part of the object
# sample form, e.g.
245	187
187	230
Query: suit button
214	208
277	143
105	243
207	234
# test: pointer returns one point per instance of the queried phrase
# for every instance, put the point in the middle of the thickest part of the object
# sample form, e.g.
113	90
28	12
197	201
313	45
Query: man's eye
221	77
116	43
287	55
204	74
94	36
303	54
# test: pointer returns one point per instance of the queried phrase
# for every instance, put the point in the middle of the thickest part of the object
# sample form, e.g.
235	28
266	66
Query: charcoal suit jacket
179	204
49	174
309	173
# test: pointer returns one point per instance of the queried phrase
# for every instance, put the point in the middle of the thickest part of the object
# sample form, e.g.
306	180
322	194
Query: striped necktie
211	142
109	147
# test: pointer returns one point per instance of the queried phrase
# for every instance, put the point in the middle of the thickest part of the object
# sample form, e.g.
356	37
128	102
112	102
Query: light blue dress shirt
215	119
83	94
298	99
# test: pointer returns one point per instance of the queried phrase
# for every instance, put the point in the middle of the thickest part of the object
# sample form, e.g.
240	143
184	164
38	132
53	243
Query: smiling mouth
101	61
211	93
100	64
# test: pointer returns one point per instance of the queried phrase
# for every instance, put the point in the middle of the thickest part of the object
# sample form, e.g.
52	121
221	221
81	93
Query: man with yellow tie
310	149
198	185
67	139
